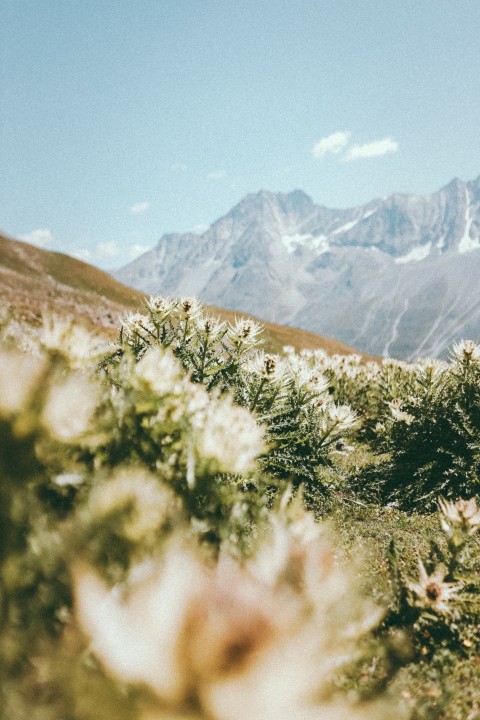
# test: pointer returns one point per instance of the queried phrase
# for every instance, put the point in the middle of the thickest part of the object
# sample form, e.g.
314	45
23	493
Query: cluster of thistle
441	605
422	420
112	604
290	399
370	388
431	433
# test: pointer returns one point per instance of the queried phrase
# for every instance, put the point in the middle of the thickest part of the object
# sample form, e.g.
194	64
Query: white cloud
200	228
387	146
334	143
216	175
41	238
108	249
139	208
83	254
137	249
178	167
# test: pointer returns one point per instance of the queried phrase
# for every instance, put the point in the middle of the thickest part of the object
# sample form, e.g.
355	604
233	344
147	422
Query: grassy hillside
34	281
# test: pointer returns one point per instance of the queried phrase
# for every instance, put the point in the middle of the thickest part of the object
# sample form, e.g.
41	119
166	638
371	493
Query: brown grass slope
34	281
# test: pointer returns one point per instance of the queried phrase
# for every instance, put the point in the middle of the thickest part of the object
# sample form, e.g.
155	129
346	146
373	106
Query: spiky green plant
289	398
432	437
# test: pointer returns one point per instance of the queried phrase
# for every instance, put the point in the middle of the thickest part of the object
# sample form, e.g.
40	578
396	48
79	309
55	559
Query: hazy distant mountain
398	277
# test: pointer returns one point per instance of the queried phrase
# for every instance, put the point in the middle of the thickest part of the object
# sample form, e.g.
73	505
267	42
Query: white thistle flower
465	351
268	367
134	324
311	379
212	327
161	306
462	515
342	416
431	592
189	307
399	414
244	331
229	435
432	370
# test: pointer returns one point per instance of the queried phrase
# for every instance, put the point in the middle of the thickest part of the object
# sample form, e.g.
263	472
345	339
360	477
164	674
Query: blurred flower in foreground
233	642
73	342
19	376
138	500
70	406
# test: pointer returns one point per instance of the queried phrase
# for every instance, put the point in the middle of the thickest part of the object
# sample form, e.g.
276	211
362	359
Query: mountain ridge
368	275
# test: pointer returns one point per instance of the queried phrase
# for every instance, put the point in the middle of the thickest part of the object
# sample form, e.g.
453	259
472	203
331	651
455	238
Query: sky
122	120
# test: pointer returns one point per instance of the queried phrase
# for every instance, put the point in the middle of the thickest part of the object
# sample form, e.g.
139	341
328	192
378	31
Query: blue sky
122	120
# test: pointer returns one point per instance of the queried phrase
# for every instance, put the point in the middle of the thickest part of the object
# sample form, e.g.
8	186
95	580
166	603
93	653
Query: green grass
442	680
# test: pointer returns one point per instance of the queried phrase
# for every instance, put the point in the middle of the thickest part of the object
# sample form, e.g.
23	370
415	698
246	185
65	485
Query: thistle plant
210	350
303	424
289	397
439	606
428	433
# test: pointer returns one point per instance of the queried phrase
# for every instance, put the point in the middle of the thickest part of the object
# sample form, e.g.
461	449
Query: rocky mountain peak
388	277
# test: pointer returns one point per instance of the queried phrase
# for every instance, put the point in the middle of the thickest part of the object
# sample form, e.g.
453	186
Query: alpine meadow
194	528
240	360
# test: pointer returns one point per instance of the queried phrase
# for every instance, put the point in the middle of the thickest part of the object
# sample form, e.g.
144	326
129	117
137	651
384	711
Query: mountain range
396	277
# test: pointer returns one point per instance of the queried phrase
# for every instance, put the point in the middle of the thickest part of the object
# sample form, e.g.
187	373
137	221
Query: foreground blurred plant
259	640
46	411
196	597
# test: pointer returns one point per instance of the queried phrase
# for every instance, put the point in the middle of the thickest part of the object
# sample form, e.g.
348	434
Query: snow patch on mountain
319	243
415	255
291	242
468	243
